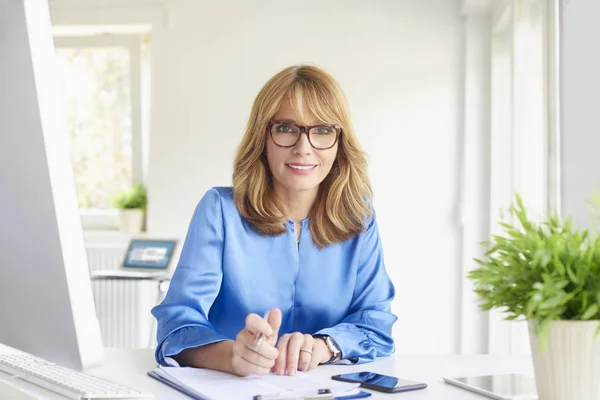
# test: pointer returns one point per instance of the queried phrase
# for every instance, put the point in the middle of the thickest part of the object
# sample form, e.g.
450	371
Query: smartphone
382	383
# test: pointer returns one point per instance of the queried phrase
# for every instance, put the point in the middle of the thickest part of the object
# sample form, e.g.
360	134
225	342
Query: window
523	128
101	90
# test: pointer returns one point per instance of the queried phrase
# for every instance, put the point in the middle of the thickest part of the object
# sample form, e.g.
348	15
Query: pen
260	336
322	394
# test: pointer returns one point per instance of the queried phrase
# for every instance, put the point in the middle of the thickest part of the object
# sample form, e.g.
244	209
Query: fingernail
292	371
280	371
270	331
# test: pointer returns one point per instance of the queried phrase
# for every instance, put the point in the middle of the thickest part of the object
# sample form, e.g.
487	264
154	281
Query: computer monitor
46	300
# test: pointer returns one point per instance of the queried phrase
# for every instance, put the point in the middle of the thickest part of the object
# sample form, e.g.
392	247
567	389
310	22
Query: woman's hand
300	352
250	359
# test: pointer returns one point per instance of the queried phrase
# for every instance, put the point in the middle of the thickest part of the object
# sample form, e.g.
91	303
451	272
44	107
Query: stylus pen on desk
318	397
322	394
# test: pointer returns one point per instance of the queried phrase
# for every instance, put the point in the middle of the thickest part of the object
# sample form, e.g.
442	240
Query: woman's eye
285	129
323	130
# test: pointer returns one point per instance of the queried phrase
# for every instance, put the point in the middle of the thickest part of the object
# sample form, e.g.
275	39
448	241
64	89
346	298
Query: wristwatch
332	346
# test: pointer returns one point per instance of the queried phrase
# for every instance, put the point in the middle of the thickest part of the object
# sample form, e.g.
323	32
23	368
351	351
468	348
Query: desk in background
130	366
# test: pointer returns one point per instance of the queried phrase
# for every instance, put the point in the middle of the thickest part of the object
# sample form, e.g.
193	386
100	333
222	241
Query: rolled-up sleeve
366	333
182	318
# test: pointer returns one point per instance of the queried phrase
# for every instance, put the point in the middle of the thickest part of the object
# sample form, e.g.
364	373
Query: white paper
219	385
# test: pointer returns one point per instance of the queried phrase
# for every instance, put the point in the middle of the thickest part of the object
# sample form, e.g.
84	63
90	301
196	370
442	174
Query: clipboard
178	384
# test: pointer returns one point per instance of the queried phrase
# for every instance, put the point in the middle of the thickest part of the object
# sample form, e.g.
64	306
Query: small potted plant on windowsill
549	274
132	205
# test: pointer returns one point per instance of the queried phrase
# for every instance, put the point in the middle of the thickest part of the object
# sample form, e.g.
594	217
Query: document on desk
205	384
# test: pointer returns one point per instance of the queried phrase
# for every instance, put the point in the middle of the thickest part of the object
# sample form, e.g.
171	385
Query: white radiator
123	306
105	256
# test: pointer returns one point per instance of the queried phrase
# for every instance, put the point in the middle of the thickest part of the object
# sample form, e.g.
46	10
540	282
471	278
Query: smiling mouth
301	167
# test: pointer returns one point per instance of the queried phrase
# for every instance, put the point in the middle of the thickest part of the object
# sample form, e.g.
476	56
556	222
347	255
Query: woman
294	238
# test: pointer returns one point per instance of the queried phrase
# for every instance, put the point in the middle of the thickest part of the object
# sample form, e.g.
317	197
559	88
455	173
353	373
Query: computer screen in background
46	301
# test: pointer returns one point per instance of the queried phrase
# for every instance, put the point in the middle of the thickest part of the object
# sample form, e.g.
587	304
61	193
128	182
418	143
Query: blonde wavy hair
343	203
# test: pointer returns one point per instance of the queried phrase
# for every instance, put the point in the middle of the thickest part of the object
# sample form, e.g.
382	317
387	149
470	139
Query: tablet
499	387
155	254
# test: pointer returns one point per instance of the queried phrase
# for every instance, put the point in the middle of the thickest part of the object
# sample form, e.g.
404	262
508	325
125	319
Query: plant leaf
591	311
542	270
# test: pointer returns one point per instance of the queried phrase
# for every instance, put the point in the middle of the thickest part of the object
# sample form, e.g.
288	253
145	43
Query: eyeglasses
320	137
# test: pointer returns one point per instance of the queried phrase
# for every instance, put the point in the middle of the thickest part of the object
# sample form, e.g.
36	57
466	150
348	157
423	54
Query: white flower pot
569	366
132	220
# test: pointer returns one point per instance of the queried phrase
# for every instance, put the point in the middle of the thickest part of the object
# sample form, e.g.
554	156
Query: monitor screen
45	289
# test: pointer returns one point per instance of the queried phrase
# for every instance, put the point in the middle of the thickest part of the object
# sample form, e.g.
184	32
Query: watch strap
331	345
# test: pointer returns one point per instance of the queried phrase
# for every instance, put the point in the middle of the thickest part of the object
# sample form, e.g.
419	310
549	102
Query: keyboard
66	382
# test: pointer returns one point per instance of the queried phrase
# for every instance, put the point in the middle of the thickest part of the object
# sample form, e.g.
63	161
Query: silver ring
307	351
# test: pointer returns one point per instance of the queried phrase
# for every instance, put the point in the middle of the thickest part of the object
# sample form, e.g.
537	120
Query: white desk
130	367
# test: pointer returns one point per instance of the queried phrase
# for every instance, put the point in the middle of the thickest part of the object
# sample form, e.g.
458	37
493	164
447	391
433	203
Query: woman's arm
366	332
242	356
184	330
182	317
215	356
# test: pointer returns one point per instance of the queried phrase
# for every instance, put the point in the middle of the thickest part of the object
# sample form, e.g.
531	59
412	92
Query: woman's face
300	167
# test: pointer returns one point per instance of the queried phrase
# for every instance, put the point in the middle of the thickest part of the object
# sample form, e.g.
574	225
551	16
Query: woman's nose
303	146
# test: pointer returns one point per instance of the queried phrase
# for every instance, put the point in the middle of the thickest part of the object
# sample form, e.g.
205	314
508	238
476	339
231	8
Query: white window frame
108	219
522	149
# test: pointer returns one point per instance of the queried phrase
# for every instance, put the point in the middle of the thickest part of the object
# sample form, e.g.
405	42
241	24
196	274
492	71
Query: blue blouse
227	270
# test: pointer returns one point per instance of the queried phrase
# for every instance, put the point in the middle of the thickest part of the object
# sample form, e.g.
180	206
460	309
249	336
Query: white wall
400	64
579	86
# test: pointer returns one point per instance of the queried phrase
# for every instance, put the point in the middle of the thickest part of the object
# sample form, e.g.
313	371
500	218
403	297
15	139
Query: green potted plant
548	273
132	205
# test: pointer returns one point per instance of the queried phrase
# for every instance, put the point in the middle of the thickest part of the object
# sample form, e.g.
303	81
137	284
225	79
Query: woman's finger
244	368
280	363
306	351
293	352
264	348
259	330
256	359
316	356
255	324
252	357
274	321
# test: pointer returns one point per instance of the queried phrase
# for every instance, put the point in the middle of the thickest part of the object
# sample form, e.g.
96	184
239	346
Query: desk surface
130	366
